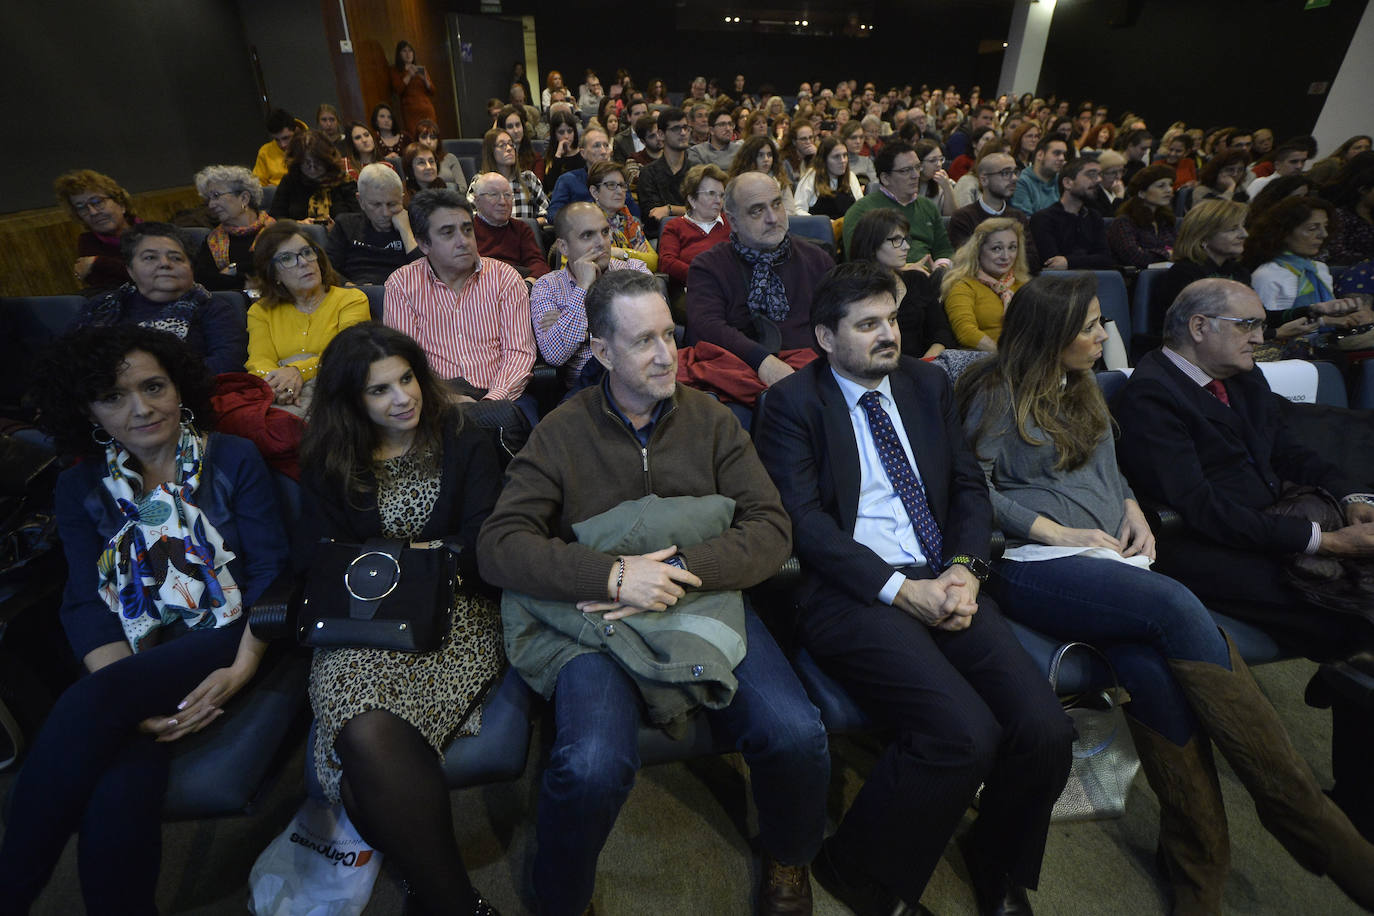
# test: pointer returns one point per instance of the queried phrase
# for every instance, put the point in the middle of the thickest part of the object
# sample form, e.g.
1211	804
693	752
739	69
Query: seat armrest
273	615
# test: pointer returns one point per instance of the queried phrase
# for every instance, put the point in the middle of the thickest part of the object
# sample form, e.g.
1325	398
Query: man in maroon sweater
500	237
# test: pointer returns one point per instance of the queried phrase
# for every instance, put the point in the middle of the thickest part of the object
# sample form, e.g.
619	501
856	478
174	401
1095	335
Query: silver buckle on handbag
370	575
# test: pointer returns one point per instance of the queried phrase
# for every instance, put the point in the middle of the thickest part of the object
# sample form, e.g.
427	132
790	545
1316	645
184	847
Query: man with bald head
1201	432
498	236
557	302
752	297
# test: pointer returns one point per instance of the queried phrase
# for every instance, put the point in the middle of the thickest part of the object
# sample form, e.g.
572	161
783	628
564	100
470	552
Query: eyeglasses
1004	174
613	185
211	198
907	172
295	258
935	160
505	145
898	241
710	195
91	204
499	195
1244	325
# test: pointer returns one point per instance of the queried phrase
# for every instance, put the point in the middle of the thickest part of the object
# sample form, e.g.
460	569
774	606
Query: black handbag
382	594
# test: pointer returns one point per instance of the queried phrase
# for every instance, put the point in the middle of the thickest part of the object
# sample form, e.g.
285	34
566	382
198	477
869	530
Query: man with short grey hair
366	247
1202	432
500	237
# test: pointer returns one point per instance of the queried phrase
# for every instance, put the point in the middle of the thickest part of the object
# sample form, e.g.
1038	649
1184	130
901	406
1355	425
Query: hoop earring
188	416
97	428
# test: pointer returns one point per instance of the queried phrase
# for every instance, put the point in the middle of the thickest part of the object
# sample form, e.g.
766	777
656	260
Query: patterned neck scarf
167	562
175	317
1002	285
1311	289
767	295
218	240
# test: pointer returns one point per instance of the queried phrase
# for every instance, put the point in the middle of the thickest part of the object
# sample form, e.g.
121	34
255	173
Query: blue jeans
597	714
1139	618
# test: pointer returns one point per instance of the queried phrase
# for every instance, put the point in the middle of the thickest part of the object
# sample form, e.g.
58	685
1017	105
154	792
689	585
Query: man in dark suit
1200	432
891	520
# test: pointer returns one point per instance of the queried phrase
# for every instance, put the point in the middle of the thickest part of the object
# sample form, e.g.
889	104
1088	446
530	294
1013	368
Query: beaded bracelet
619	579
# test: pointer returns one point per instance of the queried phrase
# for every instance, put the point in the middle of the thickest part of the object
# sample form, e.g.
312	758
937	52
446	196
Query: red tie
1218	391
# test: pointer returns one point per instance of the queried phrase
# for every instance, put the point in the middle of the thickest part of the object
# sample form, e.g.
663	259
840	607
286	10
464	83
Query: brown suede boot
1290	804
1194	847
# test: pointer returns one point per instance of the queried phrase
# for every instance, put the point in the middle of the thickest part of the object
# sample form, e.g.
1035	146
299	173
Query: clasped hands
647	583
947	602
202	706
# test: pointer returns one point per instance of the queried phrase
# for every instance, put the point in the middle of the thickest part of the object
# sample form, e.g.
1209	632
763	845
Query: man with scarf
752	297
1200	432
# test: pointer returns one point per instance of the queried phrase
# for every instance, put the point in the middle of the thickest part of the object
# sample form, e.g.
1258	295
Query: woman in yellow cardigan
989	267
302	308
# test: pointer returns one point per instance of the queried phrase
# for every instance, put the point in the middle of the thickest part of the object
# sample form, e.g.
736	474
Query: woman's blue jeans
1138	618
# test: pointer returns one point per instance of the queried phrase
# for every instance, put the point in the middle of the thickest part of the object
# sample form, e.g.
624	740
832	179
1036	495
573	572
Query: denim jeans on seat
1139	618
592	765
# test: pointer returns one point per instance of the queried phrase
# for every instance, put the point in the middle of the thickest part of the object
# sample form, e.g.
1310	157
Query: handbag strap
1116	693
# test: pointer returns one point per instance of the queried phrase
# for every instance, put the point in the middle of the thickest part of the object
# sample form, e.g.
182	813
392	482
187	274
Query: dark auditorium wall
905	47
147	91
1249	63
293	53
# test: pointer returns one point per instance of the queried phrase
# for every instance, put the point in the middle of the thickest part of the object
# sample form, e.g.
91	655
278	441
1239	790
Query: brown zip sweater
582	460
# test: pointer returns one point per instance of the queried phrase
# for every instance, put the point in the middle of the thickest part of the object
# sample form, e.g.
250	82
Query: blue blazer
806	441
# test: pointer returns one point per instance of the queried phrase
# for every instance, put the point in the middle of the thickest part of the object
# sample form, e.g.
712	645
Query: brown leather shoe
786	889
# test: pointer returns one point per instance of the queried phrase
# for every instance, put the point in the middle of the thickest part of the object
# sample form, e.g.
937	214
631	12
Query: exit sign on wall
1316	4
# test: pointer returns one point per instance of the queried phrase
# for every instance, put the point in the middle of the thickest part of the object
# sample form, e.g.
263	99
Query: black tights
395	793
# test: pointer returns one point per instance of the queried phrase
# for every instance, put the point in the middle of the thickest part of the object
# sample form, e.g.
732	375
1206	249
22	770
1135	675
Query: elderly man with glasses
500	237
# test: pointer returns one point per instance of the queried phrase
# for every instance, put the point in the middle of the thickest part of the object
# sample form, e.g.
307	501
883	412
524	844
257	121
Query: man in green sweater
899	188
637	433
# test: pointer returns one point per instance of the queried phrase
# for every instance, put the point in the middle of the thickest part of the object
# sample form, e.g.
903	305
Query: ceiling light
804	22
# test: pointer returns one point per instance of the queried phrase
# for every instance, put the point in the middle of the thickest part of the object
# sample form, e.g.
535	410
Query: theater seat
376	298
1145	285
814	228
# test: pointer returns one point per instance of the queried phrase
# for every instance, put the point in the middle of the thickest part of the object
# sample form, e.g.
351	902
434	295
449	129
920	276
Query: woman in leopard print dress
385	455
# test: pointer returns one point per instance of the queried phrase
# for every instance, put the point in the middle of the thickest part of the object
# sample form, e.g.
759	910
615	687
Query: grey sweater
1024	484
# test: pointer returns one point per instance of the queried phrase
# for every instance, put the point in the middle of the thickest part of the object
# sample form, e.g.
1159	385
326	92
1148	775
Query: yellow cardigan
280	332
974	311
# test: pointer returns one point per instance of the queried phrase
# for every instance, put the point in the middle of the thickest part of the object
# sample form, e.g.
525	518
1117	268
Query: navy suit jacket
806	440
1220	467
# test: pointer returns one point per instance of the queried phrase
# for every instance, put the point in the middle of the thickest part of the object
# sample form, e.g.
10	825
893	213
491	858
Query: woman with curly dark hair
316	187
1353	193
391	139
1221	176
1281	253
171	532
1144	230
387	455
760	154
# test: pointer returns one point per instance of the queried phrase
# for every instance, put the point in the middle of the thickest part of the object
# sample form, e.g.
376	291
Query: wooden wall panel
376	26
38	247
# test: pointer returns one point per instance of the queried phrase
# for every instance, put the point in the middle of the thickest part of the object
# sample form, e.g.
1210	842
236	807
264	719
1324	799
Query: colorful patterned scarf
767	295
1311	289
629	234
175	317
167	562
218	240
1002	285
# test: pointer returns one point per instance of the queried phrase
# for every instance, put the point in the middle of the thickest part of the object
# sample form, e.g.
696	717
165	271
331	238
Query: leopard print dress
439	692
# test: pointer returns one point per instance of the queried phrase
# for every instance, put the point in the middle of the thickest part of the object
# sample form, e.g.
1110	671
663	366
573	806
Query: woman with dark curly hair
1144	232
760	154
1353	193
171	532
316	188
105	209
387	455
303	307
1281	253
391	140
1221	176
162	293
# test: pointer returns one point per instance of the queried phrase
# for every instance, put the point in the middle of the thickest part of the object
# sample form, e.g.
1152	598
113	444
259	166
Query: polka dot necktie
902	477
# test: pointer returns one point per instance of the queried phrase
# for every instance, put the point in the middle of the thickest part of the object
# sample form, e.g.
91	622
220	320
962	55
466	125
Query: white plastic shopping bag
317	866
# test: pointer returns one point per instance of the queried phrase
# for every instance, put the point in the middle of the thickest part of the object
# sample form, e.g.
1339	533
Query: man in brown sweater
637	433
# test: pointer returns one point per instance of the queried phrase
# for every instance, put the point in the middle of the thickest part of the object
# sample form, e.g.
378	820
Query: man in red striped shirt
470	314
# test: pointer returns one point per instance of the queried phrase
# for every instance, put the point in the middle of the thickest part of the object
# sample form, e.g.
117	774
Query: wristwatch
980	569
